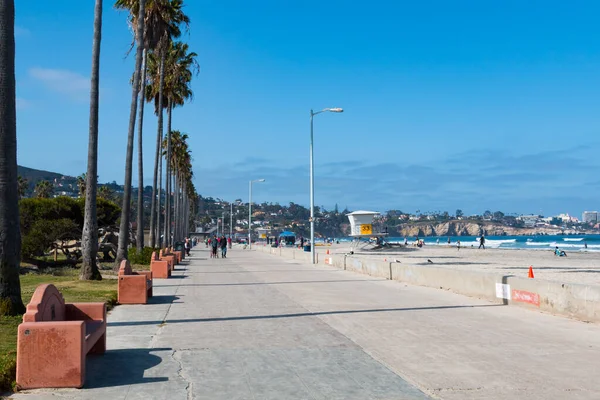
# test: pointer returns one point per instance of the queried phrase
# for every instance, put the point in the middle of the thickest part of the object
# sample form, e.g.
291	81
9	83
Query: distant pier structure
362	232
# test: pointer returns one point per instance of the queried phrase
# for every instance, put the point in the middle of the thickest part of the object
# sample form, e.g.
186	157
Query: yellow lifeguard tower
361	229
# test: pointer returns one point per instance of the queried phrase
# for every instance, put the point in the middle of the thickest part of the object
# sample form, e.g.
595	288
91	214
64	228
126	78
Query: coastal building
529	220
567	218
590	216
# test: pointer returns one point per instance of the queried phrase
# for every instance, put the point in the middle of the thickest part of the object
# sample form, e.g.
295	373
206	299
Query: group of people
216	243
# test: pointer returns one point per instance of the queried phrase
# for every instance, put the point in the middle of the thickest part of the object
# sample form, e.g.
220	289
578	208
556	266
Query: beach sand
577	267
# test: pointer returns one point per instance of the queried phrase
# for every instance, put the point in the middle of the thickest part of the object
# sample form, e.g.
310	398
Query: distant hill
35	175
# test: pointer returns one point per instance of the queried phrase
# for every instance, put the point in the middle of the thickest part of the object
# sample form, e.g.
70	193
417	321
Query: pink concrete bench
55	338
160	268
178	254
170	258
134	287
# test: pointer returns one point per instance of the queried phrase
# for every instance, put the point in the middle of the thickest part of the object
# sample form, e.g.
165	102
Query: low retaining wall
571	300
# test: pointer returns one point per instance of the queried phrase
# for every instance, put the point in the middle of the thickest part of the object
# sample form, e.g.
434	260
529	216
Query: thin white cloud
22	32
23	104
62	81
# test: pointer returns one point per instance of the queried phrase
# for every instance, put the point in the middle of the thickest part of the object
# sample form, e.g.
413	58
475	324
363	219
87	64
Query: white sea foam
573	239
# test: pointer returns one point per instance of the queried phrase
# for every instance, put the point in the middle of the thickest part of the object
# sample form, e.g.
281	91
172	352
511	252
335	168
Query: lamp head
336	110
260	180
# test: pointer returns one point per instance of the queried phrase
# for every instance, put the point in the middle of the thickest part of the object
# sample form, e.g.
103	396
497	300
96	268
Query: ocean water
543	242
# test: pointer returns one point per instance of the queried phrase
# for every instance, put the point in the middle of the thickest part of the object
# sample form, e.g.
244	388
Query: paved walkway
256	326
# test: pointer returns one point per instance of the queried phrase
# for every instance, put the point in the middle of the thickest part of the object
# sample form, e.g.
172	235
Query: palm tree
43	189
89	236
11	302
23	185
163	19
140	199
179	67
180	162
169	16
124	226
81	183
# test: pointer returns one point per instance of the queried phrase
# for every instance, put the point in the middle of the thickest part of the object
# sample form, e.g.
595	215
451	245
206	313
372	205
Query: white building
590	216
529	220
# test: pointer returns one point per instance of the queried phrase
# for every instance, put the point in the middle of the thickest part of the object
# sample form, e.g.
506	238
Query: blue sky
466	104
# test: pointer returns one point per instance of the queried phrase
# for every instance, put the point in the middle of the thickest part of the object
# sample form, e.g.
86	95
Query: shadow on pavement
273	270
163	299
178	276
295	315
278	283
122	367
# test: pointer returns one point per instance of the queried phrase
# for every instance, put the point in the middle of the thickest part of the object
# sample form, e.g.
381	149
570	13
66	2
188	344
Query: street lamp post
231	220
312	181
250	213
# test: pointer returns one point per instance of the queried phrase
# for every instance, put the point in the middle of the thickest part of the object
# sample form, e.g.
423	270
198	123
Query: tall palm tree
81	180
124	226
179	67
180	162
140	199
89	236
43	189
11	302
163	19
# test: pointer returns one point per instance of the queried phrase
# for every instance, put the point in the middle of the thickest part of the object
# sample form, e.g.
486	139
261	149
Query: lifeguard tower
361	230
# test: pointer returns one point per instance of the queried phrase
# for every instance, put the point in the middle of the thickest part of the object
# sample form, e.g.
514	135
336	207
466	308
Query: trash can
179	246
307	247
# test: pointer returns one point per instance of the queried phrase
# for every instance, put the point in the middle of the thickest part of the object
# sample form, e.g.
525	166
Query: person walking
186	246
482	242
214	243
223	247
229	241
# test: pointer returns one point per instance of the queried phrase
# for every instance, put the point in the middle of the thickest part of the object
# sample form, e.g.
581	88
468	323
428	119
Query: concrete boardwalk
256	326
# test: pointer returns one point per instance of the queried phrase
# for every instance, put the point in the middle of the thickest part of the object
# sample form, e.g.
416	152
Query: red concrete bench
170	258
160	268
55	338
178	256
134	287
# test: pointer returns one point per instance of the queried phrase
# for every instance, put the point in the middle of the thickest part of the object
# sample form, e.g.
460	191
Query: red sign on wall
526	297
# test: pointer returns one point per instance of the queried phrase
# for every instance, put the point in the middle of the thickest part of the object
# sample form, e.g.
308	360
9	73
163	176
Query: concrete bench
160	268
178	254
170	258
54	339
134	287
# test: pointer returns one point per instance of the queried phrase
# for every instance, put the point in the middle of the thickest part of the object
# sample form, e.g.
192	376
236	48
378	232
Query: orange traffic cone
327	251
530	274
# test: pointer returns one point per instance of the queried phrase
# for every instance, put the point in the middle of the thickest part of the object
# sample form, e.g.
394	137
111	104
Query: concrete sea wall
570	300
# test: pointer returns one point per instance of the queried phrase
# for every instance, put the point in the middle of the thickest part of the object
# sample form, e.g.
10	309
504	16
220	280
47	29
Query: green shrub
44	221
136	258
8	371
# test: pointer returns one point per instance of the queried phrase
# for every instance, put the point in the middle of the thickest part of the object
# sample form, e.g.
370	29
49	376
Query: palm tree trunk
159	241
154	210
140	200
11	302
89	237
174	217
125	210
182	210
168	178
